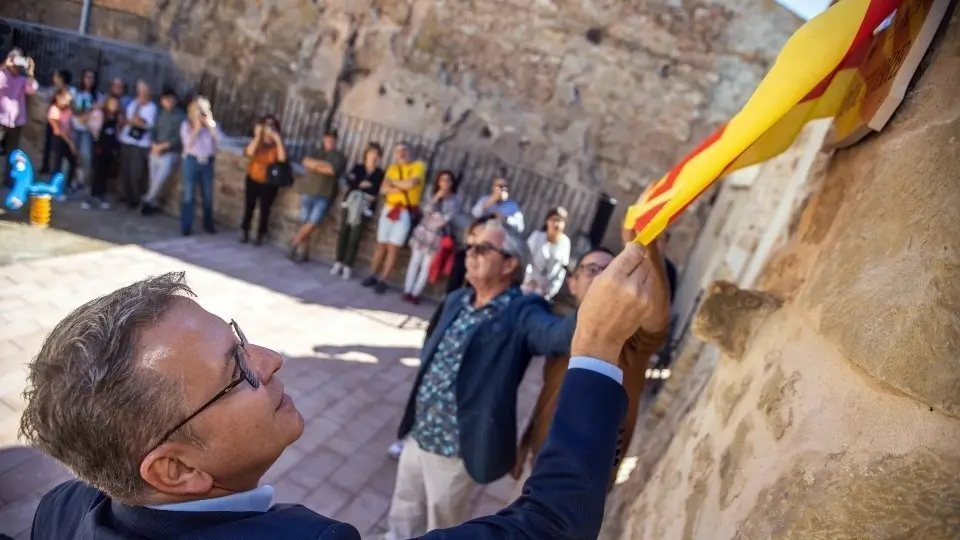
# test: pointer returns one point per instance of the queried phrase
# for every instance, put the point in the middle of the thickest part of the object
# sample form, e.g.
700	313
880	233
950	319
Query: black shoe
257	240
370	281
380	287
244	237
148	209
186	233
209	230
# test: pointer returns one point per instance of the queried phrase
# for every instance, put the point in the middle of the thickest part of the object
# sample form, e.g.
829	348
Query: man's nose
266	362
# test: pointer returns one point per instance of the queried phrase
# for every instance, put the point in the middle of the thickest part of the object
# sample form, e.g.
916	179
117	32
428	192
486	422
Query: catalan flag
808	80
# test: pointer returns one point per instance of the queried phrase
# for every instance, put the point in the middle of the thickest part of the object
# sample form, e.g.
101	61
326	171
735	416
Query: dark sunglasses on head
485	247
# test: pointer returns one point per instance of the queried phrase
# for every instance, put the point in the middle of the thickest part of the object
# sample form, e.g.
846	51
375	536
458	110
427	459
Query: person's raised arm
546	334
480	208
187	136
565	495
254	143
281	149
32	85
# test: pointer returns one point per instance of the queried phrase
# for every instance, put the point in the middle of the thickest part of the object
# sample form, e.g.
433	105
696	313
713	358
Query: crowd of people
193	474
93	137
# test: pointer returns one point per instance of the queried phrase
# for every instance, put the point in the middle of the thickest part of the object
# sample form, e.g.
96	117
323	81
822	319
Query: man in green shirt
317	189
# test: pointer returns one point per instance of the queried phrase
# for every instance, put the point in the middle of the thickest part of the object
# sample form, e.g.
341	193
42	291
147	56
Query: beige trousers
432	492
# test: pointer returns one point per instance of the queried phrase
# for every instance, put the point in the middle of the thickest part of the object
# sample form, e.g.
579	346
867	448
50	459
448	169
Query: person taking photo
17	81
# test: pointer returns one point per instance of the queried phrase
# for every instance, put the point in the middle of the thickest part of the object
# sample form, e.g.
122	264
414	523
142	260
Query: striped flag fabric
808	81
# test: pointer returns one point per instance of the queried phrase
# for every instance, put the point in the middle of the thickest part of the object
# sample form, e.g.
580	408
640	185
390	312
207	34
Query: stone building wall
833	411
731	241
604	94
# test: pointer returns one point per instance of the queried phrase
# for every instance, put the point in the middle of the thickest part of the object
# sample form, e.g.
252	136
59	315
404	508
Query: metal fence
238	106
56	48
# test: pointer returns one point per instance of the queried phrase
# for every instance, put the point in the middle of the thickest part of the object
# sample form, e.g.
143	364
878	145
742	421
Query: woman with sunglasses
550	255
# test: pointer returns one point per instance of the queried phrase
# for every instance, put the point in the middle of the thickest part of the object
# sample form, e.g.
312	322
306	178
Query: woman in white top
550	255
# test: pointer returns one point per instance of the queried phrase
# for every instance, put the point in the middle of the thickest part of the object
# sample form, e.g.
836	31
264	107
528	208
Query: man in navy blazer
170	417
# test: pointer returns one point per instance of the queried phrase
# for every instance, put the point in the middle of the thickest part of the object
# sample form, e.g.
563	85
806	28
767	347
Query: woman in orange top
264	150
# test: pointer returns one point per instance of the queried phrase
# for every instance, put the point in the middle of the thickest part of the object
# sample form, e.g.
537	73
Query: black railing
238	106
56	48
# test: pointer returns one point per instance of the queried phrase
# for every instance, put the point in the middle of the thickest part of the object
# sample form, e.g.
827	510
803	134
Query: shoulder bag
280	174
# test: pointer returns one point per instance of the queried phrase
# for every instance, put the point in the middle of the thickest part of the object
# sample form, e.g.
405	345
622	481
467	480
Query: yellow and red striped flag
808	80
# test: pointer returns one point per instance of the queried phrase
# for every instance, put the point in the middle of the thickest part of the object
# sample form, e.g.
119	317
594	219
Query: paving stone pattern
351	355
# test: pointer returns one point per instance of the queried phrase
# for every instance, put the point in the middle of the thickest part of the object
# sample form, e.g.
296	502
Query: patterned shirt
435	428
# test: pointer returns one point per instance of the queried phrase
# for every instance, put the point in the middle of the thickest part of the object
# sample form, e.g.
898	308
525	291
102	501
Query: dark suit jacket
563	498
495	357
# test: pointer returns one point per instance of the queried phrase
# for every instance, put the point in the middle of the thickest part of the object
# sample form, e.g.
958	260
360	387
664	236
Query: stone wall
228	204
605	94
834	409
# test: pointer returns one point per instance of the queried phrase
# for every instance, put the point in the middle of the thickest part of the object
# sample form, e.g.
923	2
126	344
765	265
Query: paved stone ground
352	354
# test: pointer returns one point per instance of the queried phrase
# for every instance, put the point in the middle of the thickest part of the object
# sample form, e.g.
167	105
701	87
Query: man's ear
170	470
510	267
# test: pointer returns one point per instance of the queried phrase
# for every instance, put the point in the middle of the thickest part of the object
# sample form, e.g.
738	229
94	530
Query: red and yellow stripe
808	81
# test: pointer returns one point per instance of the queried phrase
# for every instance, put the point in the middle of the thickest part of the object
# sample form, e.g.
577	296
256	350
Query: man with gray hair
460	427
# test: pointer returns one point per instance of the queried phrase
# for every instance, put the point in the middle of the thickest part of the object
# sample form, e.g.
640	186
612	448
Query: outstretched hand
614	306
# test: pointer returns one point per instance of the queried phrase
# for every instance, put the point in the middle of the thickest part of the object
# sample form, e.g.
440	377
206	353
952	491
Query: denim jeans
195	173
313	208
83	140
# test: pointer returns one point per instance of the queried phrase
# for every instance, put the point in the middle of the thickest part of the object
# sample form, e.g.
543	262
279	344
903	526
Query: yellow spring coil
40	210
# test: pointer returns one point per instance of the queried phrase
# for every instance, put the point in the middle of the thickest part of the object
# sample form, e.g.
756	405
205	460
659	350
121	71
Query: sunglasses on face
241	373
483	248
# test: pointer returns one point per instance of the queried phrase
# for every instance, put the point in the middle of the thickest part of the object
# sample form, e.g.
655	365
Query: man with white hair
459	427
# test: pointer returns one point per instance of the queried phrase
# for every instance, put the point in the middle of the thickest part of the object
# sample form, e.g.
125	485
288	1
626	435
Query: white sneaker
347	273
86	205
337	267
104	205
395	449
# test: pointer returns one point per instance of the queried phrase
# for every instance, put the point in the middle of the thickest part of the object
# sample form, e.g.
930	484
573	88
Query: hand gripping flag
808	80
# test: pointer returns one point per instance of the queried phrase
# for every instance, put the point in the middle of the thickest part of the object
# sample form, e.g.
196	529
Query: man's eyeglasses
592	270
242	373
484	248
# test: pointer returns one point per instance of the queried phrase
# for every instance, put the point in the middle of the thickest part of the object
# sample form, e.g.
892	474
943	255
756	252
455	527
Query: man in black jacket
170	417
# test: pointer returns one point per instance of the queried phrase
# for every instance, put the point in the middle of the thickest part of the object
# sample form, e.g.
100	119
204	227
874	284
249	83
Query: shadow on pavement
75	230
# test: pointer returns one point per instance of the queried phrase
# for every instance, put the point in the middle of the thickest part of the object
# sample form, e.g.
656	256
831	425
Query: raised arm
480	208
546	334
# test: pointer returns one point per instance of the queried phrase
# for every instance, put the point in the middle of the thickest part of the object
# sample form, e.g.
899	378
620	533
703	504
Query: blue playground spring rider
40	194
